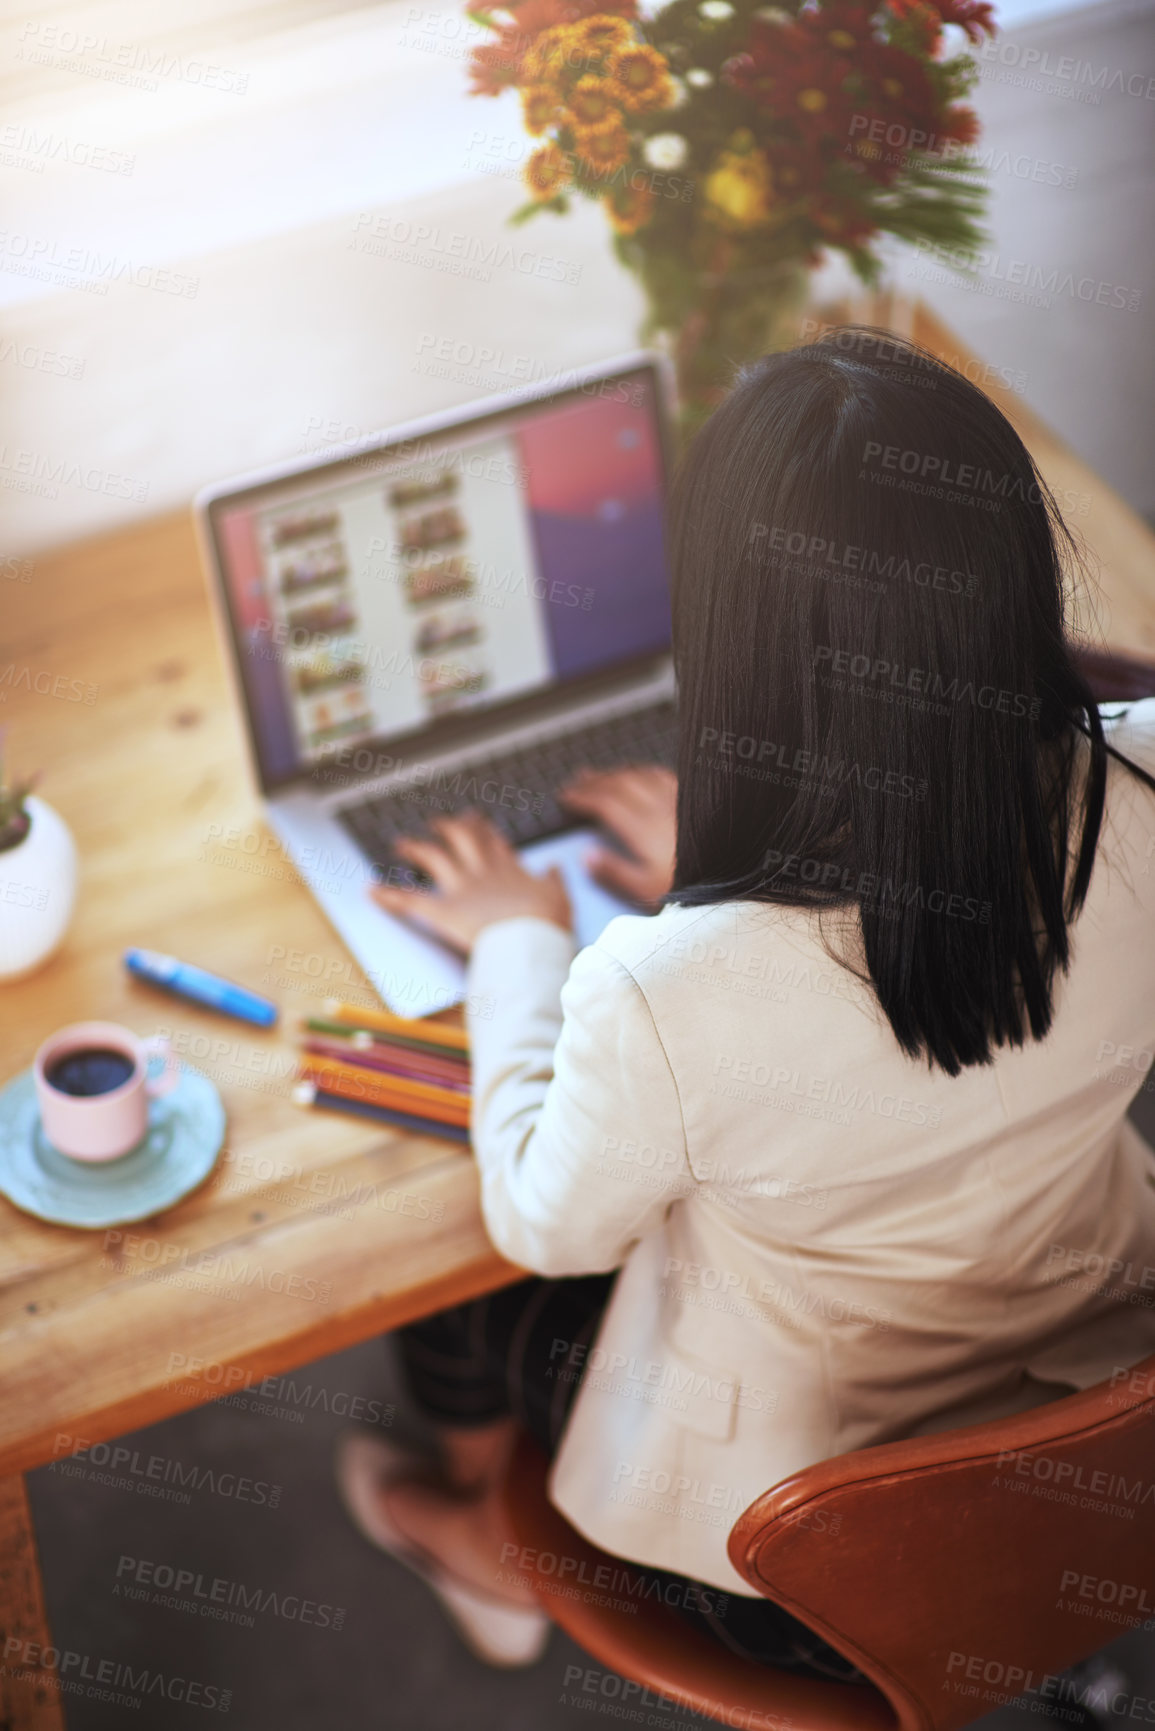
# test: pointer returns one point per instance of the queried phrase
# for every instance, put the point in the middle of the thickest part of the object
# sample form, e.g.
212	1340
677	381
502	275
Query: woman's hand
638	806
479	880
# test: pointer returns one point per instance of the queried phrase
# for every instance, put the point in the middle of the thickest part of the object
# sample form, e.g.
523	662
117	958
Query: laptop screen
386	593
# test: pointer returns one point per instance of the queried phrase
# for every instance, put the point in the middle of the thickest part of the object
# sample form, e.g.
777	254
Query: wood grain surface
314	1231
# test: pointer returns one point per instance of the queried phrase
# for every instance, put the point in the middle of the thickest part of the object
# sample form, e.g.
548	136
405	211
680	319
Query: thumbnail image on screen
381	594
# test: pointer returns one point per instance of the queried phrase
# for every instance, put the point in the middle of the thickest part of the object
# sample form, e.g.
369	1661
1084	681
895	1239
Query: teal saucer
186	1130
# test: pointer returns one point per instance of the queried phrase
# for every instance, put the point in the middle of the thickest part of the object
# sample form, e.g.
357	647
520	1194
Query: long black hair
879	707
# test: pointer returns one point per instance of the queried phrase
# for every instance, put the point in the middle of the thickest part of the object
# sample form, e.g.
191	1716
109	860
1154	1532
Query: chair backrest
961	1570
1114	677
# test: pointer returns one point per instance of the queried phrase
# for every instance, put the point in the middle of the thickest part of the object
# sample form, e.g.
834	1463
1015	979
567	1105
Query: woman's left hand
478	879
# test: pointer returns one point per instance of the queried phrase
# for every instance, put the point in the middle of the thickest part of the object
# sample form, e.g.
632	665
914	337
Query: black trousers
509	1355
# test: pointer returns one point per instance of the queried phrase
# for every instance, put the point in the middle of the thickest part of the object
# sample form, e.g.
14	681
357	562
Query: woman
832	1149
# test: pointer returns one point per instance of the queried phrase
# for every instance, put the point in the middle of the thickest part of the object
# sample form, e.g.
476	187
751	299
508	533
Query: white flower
717	11
681	94
665	150
699	77
772	15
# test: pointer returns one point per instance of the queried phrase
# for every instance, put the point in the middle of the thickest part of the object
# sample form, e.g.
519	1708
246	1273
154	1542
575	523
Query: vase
37	892
732	316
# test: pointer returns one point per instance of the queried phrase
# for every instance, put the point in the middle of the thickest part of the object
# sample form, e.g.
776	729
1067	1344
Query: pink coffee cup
101	1126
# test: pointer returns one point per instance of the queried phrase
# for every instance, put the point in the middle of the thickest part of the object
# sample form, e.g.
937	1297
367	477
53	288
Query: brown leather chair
956	1571
1114	677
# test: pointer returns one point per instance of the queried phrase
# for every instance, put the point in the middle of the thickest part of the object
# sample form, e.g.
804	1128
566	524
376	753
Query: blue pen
201	987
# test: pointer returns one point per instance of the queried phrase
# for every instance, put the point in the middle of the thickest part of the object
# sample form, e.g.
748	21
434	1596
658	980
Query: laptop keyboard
516	789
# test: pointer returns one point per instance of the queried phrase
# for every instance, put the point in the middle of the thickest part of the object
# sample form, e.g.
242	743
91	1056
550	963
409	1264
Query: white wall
260	199
1089	368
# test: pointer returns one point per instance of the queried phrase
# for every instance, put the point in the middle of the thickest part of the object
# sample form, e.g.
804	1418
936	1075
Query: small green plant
15	818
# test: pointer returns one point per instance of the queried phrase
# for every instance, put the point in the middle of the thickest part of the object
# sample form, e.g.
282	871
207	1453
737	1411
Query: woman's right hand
638	807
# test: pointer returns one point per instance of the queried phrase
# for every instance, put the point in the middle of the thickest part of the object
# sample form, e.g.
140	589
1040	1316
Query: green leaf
559	205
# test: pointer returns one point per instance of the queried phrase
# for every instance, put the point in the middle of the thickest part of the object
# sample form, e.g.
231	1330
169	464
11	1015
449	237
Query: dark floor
392	1661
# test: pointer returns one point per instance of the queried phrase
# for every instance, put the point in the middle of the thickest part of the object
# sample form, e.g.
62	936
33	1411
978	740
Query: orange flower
539	108
546	57
605	148
494	67
601	33
630	208
546	172
607	8
591	104
641	78
497	65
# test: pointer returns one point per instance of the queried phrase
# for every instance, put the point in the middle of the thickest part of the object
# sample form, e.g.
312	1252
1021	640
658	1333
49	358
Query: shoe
501	1634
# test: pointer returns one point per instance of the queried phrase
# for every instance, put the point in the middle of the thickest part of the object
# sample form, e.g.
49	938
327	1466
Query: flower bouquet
732	143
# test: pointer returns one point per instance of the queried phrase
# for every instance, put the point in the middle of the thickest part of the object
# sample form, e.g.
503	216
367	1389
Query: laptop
462	611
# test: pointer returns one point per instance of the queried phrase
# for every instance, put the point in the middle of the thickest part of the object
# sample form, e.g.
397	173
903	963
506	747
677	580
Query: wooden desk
314	1231
341	1229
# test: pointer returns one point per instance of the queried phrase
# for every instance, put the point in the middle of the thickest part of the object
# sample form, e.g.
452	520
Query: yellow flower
605	148
601	33
591	103
641	78
629	208
546	172
739	189
840	39
539	108
813	101
546	55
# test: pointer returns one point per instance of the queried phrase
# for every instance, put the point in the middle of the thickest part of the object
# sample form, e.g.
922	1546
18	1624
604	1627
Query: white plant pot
37	892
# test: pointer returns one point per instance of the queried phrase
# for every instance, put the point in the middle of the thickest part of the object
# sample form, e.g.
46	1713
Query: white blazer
822	1243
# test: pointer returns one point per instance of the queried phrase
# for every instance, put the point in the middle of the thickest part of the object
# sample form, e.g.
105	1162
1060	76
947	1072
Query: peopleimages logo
767	539
926	682
161	1470
215	1596
73	1673
882	893
1011	1682
1079	74
1067	1476
1107	1592
1043	280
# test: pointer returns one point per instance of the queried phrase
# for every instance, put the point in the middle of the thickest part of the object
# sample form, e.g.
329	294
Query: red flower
799	79
839	26
840	223
961	124
795	172
973	16
896	85
921	26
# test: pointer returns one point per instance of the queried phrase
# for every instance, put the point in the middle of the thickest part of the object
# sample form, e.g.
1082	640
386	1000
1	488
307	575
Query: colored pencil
437	1033
319	1098
430	1093
388	1102
414	1067
344	1031
356	1084
383	1054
